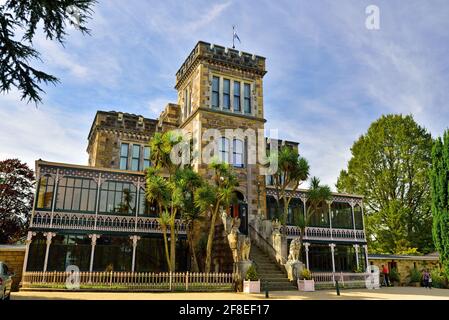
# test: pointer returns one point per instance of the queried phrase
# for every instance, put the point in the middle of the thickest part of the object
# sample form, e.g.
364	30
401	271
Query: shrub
438	279
251	274
415	276
306	274
394	275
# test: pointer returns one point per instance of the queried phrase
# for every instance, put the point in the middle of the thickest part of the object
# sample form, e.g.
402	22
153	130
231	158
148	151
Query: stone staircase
270	272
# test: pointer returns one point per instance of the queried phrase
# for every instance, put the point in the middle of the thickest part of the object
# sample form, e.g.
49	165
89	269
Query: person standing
425	277
386	273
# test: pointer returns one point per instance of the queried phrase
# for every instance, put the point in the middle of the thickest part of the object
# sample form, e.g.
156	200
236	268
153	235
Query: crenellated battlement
219	55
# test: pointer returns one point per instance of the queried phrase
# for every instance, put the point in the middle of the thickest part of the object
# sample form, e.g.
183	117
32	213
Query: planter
306	285
251	286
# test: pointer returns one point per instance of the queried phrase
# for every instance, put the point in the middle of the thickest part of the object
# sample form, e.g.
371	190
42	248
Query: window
358	217
237	96
223	150
45	193
341	214
187	102
146	157
117	197
215	92
124	156
76	194
247	98
226	94
237	153
135	157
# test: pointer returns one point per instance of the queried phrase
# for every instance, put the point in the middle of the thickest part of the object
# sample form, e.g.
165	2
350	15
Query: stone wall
12	256
404	266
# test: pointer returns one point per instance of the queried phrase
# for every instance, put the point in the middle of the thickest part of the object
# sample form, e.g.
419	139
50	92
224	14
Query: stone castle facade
220	89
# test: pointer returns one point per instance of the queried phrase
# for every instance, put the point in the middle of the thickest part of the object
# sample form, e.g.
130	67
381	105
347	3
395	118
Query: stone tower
221	88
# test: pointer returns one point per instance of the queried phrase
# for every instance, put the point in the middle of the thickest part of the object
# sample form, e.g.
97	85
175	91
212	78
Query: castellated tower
221	88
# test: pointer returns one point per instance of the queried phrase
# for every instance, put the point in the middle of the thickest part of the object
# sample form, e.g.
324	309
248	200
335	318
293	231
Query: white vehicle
5	282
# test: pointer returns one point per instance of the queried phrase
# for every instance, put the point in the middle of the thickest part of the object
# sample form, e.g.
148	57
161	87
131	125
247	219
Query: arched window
223	150
238	153
45	192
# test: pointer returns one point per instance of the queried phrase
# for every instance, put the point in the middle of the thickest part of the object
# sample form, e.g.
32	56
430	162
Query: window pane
135	165
236	96
223	150
247	96
146	153
226	94
123	163
124	150
238	153
45	195
215	91
136	151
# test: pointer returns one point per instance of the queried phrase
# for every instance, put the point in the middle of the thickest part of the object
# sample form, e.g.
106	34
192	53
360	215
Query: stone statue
295	248
245	248
233	240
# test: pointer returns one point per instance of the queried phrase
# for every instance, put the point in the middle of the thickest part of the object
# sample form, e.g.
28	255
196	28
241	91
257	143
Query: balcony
328	234
72	197
100	222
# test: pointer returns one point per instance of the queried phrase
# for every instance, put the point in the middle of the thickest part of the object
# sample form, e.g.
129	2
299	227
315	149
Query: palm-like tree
318	195
189	181
292	170
210	198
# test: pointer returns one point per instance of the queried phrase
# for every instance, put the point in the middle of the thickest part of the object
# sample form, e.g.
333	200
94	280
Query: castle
78	218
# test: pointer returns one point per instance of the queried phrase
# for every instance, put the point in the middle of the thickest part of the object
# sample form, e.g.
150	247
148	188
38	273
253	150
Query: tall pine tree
439	182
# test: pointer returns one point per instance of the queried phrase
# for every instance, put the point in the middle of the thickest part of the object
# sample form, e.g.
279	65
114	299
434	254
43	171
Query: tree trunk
167	254
195	267
210	240
172	245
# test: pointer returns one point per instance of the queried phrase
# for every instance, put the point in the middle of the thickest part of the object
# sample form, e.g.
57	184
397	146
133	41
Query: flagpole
233	37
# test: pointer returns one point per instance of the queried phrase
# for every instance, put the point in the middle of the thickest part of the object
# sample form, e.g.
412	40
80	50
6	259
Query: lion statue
295	248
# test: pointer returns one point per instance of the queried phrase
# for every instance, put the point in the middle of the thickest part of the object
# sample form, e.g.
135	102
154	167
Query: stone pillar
30	236
49	236
134	239
93	238
356	247
306	246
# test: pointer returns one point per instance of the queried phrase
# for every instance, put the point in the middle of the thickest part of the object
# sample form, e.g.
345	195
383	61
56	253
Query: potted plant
251	284
415	278
306	283
395	277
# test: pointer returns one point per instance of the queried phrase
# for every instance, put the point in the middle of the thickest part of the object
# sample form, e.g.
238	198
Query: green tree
317	196
292	170
190	181
213	197
19	21
389	166
16	199
164	188
439	183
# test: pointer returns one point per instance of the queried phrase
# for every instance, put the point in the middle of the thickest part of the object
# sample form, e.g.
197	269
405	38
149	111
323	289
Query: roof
428	257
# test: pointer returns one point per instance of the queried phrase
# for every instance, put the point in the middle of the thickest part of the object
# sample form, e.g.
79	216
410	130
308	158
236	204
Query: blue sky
328	76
